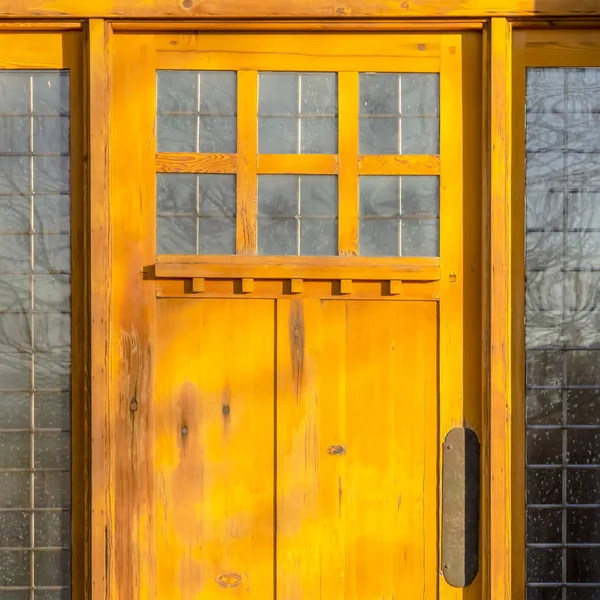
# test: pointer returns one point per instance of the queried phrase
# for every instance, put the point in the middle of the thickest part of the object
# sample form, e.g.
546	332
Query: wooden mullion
98	286
298	164
405	164
192	162
247	149
501	372
348	121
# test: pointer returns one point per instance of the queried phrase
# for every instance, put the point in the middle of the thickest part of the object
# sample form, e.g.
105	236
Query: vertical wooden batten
97	203
504	521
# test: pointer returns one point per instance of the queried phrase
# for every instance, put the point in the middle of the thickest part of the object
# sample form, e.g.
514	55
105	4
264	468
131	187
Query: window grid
40	263
556	364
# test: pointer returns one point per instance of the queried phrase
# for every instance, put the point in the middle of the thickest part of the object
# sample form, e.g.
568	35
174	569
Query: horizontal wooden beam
399	165
316	9
298	164
294	267
190	162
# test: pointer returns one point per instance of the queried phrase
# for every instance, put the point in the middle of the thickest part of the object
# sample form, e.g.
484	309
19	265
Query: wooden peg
346	286
297	286
197	285
247	285
395	287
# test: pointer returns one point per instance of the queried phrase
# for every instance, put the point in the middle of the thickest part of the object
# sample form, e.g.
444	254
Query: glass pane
35	329
196	111
195	214
297	215
297	113
562	325
399	113
399	216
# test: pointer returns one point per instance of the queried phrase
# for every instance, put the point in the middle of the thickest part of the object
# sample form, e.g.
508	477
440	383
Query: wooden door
295	311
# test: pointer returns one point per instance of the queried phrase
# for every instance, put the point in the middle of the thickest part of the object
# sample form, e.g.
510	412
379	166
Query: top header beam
309	9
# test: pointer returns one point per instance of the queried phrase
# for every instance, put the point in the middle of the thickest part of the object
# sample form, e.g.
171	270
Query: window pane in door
297	215
399	113
399	216
35	335
195	214
563	332
297	113
196	111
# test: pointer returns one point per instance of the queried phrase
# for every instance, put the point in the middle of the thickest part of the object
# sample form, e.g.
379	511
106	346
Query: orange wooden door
295	311
296	448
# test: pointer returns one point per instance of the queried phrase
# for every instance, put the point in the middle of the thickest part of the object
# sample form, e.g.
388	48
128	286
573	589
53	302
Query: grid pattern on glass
196	111
399	113
297	113
35	348
297	215
399	216
195	214
563	333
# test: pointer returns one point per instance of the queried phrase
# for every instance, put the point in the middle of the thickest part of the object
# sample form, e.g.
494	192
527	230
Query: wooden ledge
356	268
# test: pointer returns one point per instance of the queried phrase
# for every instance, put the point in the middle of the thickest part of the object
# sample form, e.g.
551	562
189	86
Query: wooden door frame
502	550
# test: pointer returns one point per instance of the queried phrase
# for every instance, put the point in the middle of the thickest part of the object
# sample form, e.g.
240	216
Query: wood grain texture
356	505
305	51
214	454
182	9
301	164
81	413
348	123
284	288
191	162
131	552
291	267
399	165
97	203
501	507
247	147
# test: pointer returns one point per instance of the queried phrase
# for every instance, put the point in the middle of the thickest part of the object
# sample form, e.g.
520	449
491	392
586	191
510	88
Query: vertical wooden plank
416	454
501	513
214	454
247	149
131	547
96	206
74	51
348	121
484	552
452	282
310	449
391	506
516	254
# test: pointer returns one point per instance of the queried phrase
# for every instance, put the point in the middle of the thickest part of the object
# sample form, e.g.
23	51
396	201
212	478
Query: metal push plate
460	507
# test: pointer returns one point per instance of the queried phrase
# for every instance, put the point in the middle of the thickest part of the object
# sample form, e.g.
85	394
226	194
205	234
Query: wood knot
336	449
229	580
404	5
133	405
187	4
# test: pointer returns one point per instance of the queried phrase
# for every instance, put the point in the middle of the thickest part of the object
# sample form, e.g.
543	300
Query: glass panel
297	113
196	111
195	214
562	332
297	215
399	113
35	332
399	216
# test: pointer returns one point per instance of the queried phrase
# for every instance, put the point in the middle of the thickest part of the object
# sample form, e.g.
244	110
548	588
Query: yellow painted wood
247	285
352	470
297	286
303	164
303	9
348	120
214	455
198	284
399	165
247	147
395	287
190	162
346	286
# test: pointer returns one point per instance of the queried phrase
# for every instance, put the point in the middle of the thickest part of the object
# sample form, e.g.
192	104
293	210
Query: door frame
502	549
